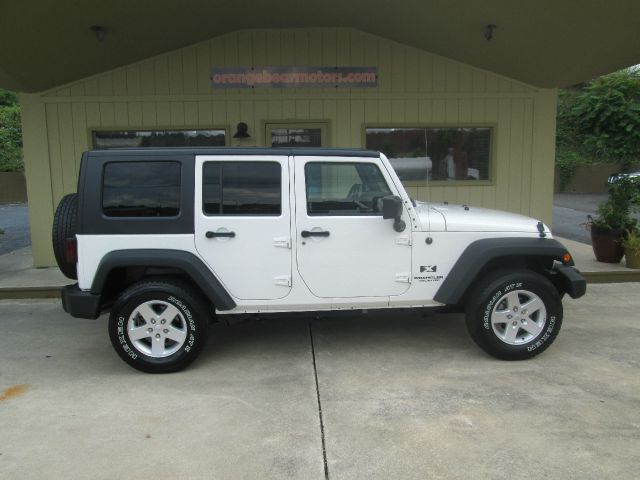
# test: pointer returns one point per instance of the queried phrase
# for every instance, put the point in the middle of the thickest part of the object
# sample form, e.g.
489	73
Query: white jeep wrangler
166	239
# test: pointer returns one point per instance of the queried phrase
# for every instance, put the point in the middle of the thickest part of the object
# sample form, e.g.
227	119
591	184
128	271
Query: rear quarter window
141	189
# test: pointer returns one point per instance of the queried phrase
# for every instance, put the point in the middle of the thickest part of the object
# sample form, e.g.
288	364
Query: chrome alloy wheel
157	328
518	317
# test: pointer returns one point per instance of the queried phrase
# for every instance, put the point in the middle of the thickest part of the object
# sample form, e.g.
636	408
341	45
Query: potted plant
614	219
631	244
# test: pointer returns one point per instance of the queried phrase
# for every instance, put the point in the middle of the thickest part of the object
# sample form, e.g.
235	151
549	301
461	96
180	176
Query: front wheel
514	314
158	326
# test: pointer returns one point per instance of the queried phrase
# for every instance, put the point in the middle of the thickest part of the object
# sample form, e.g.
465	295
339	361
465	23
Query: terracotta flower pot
607	244
632	258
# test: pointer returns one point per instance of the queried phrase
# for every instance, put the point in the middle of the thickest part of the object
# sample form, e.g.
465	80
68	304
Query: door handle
307	233
220	234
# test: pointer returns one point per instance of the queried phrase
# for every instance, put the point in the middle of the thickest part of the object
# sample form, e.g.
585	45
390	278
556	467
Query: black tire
487	302
192	318
64	227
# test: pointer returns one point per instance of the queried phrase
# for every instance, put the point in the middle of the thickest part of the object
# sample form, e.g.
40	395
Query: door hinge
282	242
403	241
284	280
403	277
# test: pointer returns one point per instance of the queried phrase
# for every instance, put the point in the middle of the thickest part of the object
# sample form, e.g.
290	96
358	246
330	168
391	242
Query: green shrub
10	133
601	119
623	200
567	159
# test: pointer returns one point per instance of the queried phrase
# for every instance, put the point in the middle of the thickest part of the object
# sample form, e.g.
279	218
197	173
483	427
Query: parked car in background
615	177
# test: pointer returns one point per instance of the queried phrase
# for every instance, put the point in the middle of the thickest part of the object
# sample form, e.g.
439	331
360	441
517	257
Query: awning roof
546	43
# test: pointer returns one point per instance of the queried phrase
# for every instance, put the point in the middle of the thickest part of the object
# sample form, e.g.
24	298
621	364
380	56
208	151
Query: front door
344	247
243	223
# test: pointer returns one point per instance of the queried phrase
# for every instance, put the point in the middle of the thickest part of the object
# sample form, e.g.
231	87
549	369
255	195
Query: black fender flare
189	263
480	252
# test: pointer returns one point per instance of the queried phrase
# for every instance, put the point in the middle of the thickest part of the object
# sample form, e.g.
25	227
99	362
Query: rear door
243	223
344	247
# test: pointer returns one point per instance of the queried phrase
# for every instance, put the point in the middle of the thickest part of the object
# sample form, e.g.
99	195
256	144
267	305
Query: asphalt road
570	212
386	396
14	220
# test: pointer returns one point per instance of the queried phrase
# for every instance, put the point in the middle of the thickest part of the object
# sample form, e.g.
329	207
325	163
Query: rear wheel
514	314
158	326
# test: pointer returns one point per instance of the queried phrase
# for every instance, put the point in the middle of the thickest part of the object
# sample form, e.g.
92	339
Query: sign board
294	77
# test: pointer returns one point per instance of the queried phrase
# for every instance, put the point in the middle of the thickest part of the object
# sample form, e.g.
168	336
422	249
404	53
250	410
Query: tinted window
432	153
241	188
344	188
141	189
158	138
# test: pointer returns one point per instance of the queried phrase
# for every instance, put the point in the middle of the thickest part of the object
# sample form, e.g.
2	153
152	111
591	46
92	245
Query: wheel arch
153	262
486	255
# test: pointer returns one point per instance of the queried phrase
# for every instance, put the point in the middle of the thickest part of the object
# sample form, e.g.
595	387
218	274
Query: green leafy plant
567	160
615	212
599	122
10	133
602	119
631	241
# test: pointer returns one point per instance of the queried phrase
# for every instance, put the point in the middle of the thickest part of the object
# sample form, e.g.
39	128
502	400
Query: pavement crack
315	374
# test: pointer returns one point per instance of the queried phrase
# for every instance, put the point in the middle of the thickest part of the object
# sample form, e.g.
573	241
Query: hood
460	218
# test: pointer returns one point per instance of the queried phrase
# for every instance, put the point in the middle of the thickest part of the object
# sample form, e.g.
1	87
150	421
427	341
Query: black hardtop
163	151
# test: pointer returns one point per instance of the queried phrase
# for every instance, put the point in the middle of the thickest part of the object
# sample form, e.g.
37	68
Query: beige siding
415	88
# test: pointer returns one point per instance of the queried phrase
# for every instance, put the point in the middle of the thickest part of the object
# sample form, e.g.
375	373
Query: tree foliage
600	120
10	133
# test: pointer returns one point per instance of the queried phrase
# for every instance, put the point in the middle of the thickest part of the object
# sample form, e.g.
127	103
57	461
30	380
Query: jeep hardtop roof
154	152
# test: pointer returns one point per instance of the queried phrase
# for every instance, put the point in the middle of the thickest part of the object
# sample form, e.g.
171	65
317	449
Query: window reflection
158	138
448	153
141	189
242	188
296	137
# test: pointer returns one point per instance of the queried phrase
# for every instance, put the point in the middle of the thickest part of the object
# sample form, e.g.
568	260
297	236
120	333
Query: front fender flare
480	252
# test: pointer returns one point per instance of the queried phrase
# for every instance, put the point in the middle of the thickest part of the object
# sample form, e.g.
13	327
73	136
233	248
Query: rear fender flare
187	262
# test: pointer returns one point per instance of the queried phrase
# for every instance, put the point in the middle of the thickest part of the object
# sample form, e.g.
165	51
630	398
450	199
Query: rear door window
242	188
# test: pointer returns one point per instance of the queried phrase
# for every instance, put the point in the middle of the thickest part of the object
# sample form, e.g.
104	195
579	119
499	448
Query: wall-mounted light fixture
489	31
99	31
242	131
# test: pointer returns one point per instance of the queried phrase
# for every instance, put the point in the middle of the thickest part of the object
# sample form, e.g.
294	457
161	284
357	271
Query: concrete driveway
401	397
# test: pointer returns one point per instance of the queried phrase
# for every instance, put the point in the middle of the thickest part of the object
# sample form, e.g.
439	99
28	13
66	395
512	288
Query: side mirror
392	209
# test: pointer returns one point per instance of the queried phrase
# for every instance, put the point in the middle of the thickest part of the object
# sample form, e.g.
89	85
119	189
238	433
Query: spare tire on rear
64	227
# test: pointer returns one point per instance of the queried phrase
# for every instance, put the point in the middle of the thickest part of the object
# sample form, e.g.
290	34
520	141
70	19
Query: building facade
456	133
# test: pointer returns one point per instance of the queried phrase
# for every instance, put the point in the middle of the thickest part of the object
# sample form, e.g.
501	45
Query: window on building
434	153
141	189
241	188
103	140
344	188
303	135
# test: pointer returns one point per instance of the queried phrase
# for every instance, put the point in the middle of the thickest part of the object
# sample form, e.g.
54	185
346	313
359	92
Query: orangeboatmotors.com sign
294	77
